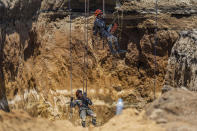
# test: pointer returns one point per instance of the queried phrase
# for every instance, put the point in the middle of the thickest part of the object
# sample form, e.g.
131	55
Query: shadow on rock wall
15	31
3	99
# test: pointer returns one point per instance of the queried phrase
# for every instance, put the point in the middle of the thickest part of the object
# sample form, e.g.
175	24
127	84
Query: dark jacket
101	28
82	103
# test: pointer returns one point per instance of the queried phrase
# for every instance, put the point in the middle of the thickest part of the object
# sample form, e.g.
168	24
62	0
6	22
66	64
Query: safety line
87	44
155	51
85	83
84	48
70	43
103	17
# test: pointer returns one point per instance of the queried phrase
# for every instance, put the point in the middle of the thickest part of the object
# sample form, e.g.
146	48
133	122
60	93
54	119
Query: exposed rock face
3	98
77	5
182	69
35	58
175	110
12	10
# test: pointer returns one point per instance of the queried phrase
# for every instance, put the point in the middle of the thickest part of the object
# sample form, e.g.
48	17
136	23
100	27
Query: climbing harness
155	52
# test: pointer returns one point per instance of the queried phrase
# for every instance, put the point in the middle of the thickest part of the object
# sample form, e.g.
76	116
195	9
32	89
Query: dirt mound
21	121
175	110
131	120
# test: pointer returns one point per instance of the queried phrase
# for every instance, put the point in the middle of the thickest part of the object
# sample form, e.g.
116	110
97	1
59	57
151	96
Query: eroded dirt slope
43	73
35	60
175	110
129	120
181	71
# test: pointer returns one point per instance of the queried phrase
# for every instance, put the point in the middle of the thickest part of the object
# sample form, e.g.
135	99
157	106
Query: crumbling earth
35	60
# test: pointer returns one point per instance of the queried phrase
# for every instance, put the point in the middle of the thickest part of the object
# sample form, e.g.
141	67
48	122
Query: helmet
78	92
98	12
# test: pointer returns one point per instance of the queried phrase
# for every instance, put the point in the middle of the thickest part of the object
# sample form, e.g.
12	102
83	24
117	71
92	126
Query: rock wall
182	70
35	59
3	98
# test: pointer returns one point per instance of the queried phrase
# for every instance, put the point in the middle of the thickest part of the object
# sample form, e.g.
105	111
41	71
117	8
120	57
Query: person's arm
95	29
73	103
88	101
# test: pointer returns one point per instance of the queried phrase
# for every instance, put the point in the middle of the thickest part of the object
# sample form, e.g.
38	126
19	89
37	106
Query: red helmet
98	12
78	92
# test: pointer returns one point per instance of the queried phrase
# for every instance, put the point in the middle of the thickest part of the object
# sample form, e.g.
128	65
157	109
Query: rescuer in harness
82	102
106	32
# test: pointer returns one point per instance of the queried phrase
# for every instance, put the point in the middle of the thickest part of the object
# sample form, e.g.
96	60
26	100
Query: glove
114	28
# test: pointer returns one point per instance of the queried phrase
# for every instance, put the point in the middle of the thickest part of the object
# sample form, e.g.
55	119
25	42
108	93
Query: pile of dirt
175	110
129	120
21	121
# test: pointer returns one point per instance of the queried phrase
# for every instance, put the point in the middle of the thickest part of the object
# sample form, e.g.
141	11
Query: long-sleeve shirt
101	28
82	103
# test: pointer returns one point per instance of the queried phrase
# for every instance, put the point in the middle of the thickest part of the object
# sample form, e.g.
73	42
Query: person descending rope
106	32
82	102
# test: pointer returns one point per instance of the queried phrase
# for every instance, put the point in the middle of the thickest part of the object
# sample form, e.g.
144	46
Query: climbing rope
70	35
85	83
104	8
155	52
70	43
103	17
84	49
87	45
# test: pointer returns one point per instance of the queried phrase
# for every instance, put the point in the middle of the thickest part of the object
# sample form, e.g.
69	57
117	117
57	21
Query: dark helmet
78	92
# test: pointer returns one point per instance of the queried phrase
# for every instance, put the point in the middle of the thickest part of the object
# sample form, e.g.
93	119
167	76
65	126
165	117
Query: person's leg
115	40
110	41
83	117
93	115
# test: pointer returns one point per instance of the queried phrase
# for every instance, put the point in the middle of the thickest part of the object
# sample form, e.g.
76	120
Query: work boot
83	123
117	47
94	121
113	52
